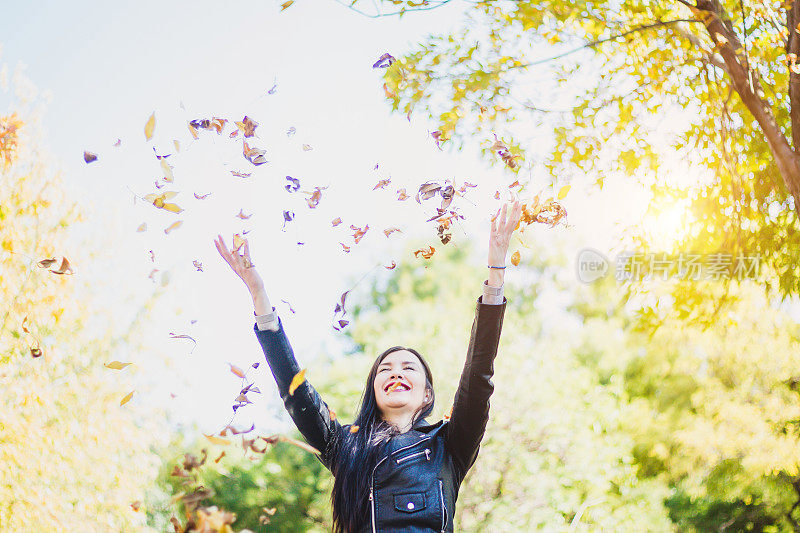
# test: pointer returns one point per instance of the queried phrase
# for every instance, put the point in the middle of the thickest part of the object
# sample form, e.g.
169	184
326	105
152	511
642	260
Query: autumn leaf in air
401	195
294	184
248	126
336	221
359	233
382	183
384	61
297	380
315	197
236	370
391	266
427	254
515	258
217	440
307	147
142	227
389	231
116	365
240	174
198	265
127	398
254	155
353	428
150	126
173	226
345	247
286	4
562	193
89	157
242	215
159	201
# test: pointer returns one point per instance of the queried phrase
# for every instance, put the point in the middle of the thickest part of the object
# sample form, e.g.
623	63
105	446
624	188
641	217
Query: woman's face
404	367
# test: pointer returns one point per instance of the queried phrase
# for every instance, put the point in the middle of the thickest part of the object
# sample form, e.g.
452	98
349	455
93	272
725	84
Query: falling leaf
307	148
563	192
150	126
159	201
401	194
64	268
359	233
389	231
173	226
177	145
142	227
515	258
217	440
242	215
294	185
136	505
254	155
315	197
291	131
116	365
152	256
193	131
390	267
286	4
217	124
425	253
89	157
238	242
201	197
248	126
496	195
236	370
297	380
336	221
119	142
345	247
127	398
168	176
234	133
384	61
220	456
198	265
240	174
382	183
353	428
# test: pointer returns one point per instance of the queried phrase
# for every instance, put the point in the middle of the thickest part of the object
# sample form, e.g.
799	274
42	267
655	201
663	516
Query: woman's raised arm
470	413
310	414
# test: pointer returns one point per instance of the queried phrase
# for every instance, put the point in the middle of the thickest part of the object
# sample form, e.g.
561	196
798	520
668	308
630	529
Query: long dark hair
356	454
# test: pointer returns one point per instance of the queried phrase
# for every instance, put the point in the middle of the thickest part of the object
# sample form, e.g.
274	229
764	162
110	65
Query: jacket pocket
409	503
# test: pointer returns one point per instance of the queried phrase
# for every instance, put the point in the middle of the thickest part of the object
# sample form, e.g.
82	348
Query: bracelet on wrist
490	266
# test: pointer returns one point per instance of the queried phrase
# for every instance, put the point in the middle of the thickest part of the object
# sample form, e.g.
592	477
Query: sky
104	68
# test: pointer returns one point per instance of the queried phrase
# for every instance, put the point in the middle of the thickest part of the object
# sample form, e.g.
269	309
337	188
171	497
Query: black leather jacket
415	485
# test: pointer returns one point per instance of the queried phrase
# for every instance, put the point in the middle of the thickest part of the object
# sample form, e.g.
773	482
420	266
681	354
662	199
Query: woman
393	470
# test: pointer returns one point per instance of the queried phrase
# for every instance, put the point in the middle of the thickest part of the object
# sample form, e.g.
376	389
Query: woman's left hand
501	231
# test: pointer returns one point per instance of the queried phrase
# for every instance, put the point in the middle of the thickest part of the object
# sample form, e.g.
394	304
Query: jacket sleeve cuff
492	295
267	321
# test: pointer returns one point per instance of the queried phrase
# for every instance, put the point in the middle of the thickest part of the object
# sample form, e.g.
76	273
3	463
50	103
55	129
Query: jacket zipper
372	479
444	509
427	453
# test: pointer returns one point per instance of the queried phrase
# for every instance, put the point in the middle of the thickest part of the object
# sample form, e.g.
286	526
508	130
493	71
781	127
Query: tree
71	458
726	71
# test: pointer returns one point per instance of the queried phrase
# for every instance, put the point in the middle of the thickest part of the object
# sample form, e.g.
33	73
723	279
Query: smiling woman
392	469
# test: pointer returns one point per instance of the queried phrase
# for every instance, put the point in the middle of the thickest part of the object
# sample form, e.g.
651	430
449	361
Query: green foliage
603	77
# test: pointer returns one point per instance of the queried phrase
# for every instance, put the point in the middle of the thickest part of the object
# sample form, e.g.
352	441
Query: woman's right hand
242	265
